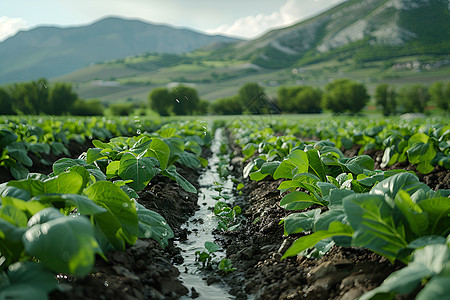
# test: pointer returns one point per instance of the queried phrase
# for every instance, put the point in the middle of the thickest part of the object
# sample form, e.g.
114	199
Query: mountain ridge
385	23
51	51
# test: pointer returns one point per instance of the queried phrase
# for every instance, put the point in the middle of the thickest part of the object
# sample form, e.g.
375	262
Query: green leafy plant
227	216
388	220
226	266
429	264
26	280
138	159
207	254
36	213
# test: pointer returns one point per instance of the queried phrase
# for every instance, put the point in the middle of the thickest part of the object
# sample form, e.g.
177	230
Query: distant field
218	79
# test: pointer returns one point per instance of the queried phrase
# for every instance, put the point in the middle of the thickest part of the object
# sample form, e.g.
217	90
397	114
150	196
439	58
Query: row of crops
57	223
344	201
23	136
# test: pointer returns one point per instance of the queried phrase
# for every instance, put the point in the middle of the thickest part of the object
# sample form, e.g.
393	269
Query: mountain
361	30
372	41
53	51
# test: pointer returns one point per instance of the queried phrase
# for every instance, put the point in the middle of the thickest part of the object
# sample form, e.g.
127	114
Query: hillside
372	41
362	30
52	51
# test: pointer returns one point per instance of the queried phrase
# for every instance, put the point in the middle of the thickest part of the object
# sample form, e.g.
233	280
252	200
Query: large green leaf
140	170
308	181
268	168
153	225
357	164
64	183
159	150
316	165
18	171
120	223
13	214
413	213
18	151
375	227
428	261
7	137
289	185
65	244
298	222
45	215
64	164
11	191
30	207
336	229
297	162
323	221
189	159
28	281
438	211
11	246
403	181
437	287
300	159
336	196
94	154
297	200
83	204
172	173
419	149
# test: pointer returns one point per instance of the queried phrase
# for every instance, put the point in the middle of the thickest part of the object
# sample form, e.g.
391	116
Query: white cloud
291	12
10	26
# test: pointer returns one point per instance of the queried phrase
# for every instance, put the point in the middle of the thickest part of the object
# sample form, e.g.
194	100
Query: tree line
39	97
339	96
413	98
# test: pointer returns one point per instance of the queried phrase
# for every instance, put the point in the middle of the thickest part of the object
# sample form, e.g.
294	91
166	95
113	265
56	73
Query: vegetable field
317	208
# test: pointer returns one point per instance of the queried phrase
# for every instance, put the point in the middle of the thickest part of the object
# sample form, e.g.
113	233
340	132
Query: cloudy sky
240	18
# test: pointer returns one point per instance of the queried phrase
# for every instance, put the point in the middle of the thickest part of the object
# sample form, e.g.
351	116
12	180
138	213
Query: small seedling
225	266
228	217
207	255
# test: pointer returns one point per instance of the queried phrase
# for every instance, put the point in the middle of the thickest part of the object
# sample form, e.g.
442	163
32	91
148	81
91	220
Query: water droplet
138	131
164	222
125	205
106	283
178	101
143	167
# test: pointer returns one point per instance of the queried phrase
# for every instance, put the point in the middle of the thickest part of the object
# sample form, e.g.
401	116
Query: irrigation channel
200	228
